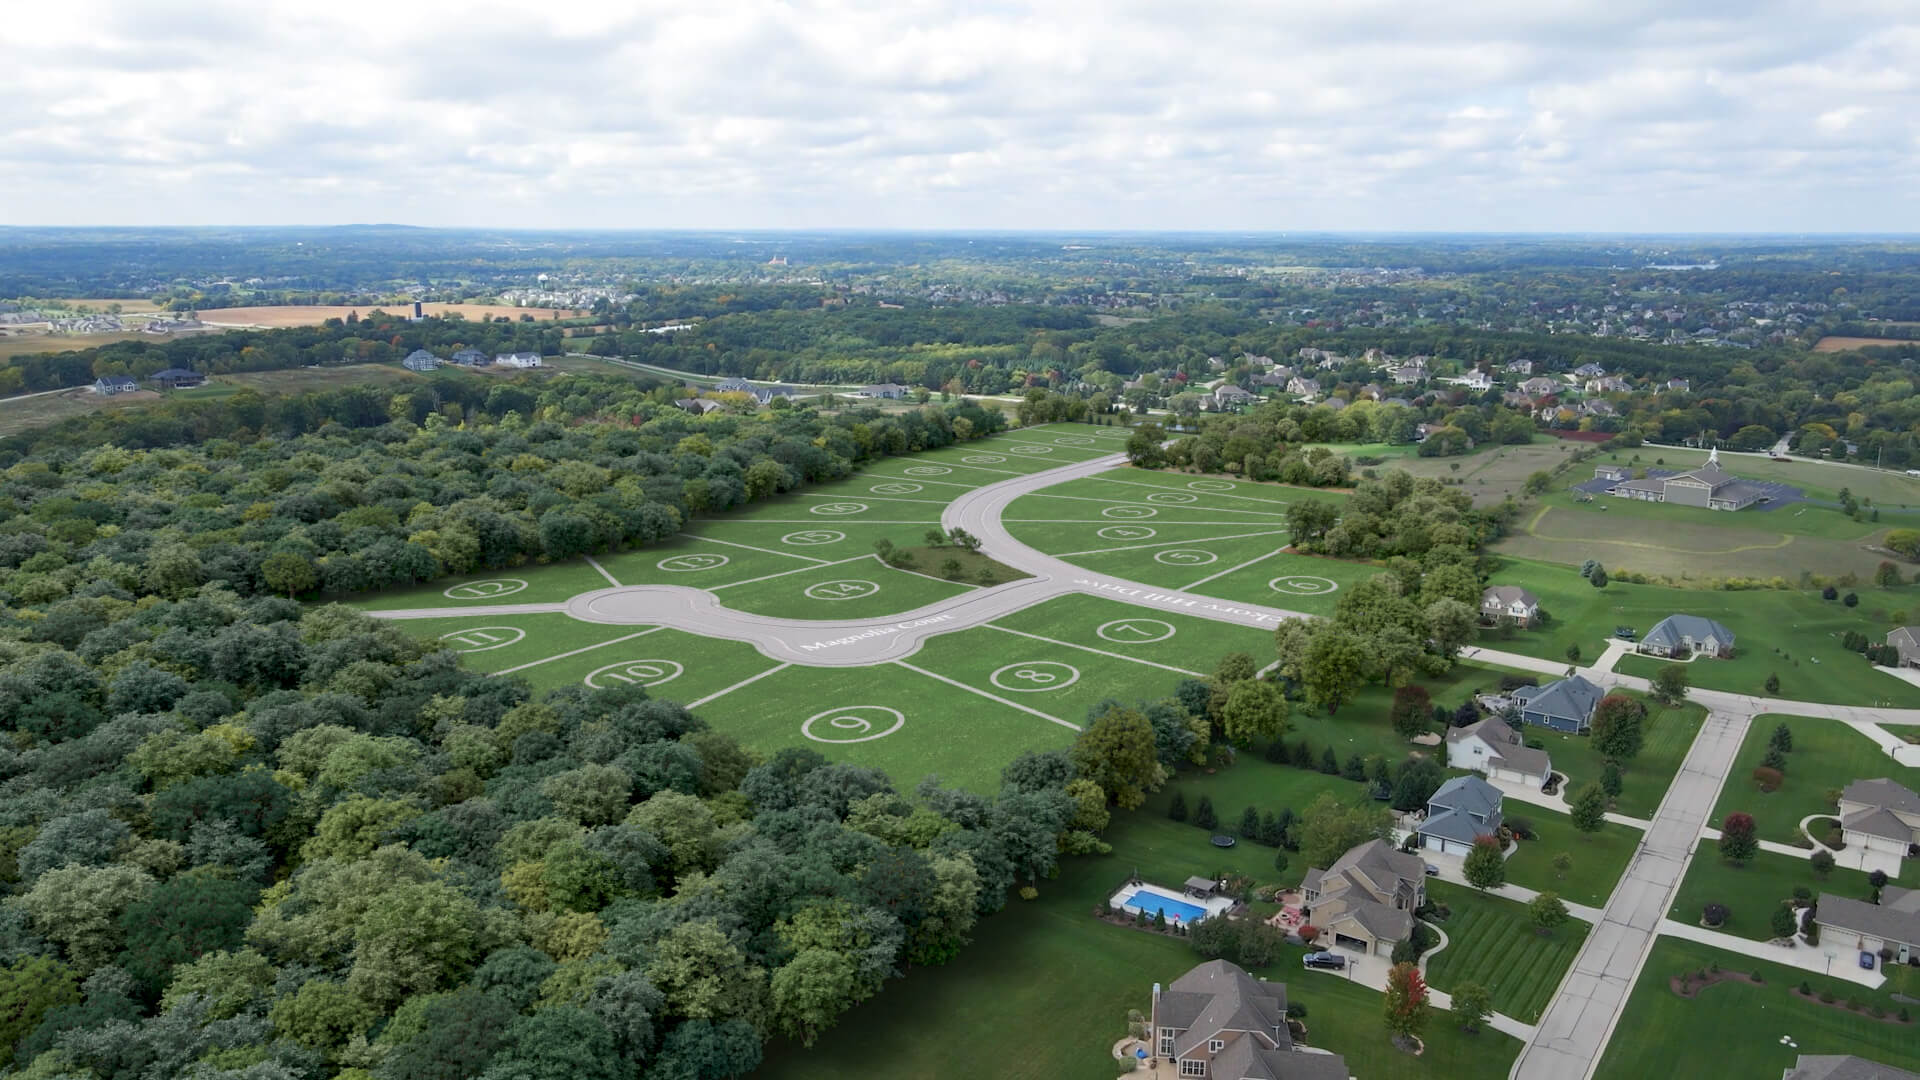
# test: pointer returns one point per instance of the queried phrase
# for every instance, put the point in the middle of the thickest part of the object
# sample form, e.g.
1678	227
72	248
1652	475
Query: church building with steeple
1709	486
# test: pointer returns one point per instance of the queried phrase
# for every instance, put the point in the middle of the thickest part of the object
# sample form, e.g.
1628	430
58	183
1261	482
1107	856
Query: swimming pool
1151	902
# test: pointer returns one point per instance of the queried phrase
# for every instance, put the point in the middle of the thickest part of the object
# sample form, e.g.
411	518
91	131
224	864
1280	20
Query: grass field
1827	756
1751	892
1734	1028
12	345
314	315
1669	734
1002	999
1492	942
1790	633
1599	858
1181	641
862	588
1842	344
1492	474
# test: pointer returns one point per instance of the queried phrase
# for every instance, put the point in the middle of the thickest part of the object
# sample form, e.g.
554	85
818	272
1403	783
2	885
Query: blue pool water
1152	902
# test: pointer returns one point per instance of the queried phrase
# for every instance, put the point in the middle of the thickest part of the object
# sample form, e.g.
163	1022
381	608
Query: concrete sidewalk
1823	959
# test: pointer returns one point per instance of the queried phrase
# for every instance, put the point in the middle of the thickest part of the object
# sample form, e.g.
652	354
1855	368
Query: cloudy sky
1526	115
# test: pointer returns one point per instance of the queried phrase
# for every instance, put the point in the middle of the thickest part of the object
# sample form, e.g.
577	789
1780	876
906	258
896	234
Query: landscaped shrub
1203	814
1714	915
1177	809
1522	827
1296	1010
1781	922
1822	862
1768	777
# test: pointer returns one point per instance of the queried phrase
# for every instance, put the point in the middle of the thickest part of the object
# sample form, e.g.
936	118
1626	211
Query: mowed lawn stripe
1491	941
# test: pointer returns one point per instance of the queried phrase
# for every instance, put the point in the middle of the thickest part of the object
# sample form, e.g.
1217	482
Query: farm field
100	305
1827	755
1790	633
1019	959
1751	892
1842	344
1599	858
1563	531
12	345
1745	1022
26	412
1492	942
315	314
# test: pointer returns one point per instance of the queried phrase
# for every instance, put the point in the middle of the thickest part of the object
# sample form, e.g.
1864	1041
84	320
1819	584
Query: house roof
1383	922
1571	698
1672	629
1506	596
1885	920
1844	1067
1235	1002
1882	792
1506	745
1380	863
1904	637
1201	883
1878	821
177	373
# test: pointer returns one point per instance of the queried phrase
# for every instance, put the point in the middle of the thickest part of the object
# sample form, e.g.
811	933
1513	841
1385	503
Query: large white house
1510	604
518	360
1495	750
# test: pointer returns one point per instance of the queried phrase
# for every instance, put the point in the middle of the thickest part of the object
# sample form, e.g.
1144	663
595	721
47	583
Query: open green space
1599	858
1364	726
887	717
698	562
857	589
1827	755
1752	891
533	583
1669	732
1186	565
1163	637
1793	634
1493	942
1305	583
1002	998
1734	1028
1059	680
671	664
493	643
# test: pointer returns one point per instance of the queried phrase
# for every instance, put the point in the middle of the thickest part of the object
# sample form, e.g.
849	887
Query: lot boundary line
750	547
870	498
748	681
1157	506
574	652
595	563
1173	543
1170	487
1099	652
990	697
909	480
1118	521
1231	569
787	573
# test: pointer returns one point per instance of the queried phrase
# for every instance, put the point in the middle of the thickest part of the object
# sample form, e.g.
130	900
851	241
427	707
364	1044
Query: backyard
1492	942
1599	858
1827	755
1751	892
1735	1029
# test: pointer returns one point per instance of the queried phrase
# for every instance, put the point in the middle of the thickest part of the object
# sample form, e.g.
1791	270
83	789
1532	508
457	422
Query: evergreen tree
1250	824
1177	809
1203	814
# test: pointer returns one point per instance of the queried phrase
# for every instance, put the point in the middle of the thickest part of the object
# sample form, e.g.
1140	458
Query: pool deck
1211	905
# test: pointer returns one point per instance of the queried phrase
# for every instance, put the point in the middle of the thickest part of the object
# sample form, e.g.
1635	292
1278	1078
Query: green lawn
1793	634
673	665
1492	942
495	642
1733	1029
1599	858
863	588
1751	892
1043	990
1056	679
1669	735
1363	725
532	583
1164	637
1827	756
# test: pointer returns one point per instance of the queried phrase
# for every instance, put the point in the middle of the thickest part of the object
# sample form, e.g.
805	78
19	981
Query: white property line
1173	543
984	694
749	680
1161	506
595	563
1101	652
575	652
1105	479
872	498
1231	569
824	522
785	573
749	547
983	468
1108	521
1096	451
917	480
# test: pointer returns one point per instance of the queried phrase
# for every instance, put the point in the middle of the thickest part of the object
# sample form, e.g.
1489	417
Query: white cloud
1237	114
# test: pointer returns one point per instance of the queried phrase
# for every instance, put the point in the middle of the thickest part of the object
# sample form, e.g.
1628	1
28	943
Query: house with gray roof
1563	705
1893	923
115	384
1217	1021
1228	396
734	385
1465	809
470	358
420	360
891	391
1494	749
1843	1067
1880	816
1508	604
1683	635
765	394
1365	901
174	378
1906	641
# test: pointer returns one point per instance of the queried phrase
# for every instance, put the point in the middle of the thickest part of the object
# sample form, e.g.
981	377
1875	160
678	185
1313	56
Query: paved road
1574	1031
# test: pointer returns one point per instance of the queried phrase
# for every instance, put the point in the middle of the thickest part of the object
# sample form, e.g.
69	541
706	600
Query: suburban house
1589	371
1228	396
1612	472
1540	386
891	391
114	384
469	358
1906	639
1880	815
1494	748
1690	634
1843	1067
420	360
697	406
1217	1021
518	360
1273	380
1563	705
1367	898
1893	923
175	378
1682	385
1598	407
1509	604
1519	367
1465	809
1303	386
1709	486
1413	372
1608	384
1477	380
734	385
765	394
